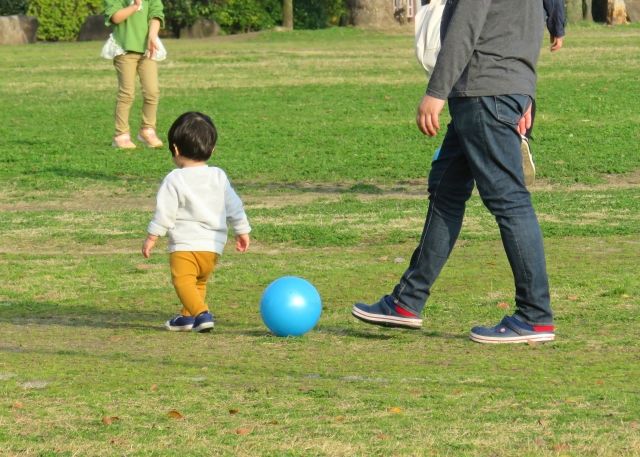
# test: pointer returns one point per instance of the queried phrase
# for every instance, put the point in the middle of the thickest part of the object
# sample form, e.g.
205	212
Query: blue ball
290	306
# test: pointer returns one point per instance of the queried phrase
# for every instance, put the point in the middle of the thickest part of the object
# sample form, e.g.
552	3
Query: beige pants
127	66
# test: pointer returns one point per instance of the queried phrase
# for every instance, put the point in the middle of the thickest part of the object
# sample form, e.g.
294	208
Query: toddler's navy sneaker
513	330
386	313
203	322
180	323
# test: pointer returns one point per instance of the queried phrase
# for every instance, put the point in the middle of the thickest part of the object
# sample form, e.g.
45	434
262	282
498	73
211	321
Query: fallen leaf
572	297
543	422
175	414
154	387
561	447
503	305
108	420
634	425
382	436
18	405
395	410
273	422
600	382
233	411
243	431
340	418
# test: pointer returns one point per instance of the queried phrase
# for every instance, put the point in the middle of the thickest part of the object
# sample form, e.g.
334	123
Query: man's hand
428	115
148	245
556	43
525	121
242	242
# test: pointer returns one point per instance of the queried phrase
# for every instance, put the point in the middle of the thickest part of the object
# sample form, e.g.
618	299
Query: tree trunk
587	14
573	10
287	14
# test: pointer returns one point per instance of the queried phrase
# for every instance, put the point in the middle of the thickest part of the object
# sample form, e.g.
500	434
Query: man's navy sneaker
386	313
180	323
513	330
203	322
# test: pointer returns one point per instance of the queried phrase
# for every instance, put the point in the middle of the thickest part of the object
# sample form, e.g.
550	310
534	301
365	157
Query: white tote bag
427	30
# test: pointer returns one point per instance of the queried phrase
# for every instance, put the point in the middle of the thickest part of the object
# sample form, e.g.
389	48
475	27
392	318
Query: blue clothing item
555	17
180	323
513	330
386	313
203	322
481	145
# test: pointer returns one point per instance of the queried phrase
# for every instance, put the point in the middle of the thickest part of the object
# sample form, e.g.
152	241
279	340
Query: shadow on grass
414	187
49	313
84	174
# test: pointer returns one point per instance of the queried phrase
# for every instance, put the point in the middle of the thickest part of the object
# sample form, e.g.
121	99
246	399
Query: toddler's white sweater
193	207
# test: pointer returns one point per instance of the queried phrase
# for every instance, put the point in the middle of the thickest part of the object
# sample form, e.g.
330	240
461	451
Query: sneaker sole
543	338
175	328
528	167
203	328
387	321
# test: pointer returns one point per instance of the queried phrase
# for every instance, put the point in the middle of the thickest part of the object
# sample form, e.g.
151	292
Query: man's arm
461	35
462	27
554	9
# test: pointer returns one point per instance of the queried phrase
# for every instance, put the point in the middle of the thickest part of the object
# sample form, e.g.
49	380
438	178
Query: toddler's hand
242	242
148	245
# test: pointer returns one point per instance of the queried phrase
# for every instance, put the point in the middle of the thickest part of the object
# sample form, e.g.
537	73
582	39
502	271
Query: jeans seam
430	212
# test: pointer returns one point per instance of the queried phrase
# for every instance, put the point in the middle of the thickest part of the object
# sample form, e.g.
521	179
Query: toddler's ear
175	150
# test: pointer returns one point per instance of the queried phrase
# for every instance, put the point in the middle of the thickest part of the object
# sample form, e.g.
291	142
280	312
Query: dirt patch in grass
260	196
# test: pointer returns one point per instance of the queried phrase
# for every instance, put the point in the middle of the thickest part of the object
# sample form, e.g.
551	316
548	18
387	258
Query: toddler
194	204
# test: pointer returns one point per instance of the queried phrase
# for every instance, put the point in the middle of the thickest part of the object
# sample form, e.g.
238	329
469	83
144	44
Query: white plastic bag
427	33
161	52
112	49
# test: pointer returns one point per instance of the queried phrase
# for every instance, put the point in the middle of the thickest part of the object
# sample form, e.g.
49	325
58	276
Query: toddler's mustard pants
189	274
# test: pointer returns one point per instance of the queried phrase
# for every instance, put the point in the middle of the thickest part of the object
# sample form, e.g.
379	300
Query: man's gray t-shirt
490	47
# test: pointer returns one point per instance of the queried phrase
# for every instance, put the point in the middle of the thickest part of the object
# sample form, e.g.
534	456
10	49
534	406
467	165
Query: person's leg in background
148	72
126	68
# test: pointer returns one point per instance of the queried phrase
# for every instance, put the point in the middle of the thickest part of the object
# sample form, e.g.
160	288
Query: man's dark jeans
481	145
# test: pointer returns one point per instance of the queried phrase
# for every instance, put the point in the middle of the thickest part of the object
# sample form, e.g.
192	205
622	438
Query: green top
131	34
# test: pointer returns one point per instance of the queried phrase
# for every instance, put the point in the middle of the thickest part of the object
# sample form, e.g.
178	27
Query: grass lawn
317	133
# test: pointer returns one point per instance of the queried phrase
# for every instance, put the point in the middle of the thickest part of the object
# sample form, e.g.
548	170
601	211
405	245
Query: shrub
11	7
318	14
236	16
233	16
60	20
183	13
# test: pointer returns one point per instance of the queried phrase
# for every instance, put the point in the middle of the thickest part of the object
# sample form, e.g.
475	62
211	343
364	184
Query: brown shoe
149	138
123	141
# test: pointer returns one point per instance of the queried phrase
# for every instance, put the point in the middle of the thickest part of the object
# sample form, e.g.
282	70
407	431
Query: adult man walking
486	71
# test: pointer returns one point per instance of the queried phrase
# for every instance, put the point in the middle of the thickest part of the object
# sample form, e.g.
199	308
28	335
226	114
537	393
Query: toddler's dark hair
194	135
